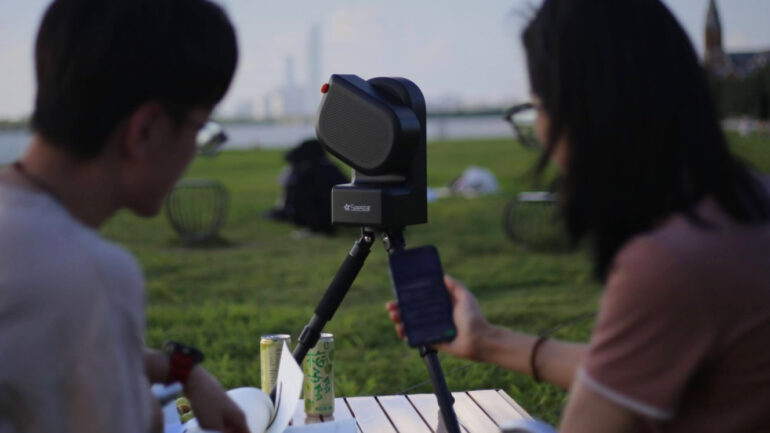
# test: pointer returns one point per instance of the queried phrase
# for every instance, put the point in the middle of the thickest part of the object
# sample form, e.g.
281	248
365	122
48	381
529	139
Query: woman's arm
589	412
478	340
556	361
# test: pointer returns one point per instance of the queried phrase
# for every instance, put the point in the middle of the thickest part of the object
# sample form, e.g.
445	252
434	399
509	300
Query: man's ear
142	129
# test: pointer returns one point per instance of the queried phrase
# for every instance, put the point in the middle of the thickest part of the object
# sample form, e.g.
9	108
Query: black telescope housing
378	128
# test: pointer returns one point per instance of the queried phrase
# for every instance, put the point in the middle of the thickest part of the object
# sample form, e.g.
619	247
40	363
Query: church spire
715	58
713	27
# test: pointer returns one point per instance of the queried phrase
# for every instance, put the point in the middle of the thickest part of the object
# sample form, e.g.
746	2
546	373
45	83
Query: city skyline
460	53
293	99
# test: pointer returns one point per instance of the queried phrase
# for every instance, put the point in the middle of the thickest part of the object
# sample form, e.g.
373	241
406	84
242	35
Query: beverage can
269	357
318	367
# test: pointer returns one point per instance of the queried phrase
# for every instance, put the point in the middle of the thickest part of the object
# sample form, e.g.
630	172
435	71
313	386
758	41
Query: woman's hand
213	409
471	324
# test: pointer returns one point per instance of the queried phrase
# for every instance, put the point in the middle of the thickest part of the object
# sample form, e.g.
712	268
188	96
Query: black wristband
532	355
182	359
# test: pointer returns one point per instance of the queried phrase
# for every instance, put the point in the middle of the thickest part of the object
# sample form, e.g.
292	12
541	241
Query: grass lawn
261	280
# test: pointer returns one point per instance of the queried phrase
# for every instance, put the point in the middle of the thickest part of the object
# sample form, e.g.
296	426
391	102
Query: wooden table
479	411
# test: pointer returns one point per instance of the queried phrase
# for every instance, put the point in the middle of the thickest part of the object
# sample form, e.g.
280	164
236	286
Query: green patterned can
318	367
270	356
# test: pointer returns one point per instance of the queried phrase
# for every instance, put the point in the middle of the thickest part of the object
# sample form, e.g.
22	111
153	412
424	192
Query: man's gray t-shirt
71	324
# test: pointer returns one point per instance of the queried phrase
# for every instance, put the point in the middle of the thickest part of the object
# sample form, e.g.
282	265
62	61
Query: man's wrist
182	360
193	378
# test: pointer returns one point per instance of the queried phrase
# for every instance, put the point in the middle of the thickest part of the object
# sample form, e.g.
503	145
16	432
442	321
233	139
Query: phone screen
423	300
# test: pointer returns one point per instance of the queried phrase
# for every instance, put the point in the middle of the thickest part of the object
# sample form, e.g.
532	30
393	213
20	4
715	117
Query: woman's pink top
683	333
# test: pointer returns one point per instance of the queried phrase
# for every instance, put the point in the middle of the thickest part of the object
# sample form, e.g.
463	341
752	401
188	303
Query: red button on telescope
325	88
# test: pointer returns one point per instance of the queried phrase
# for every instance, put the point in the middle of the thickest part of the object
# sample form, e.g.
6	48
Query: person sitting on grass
679	231
123	86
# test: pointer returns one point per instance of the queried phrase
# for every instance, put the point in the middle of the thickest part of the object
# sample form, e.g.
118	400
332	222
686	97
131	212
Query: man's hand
470	323
156	415
212	407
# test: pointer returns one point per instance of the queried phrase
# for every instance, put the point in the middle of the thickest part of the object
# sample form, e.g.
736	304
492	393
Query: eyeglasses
210	139
522	120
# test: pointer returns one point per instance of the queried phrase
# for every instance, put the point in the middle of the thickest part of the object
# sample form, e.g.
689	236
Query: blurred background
465	56
258	277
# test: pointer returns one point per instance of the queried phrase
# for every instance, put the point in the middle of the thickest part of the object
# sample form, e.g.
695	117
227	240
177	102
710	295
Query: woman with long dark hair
679	231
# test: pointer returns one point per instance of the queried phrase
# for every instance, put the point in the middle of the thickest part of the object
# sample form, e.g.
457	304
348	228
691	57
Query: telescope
377	127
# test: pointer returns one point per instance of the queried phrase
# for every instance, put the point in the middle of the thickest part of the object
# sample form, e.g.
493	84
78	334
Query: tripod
393	240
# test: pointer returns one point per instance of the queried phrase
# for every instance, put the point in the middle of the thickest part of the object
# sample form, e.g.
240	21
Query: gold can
318	367
269	357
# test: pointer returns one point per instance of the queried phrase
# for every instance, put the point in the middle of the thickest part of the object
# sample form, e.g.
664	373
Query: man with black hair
123	86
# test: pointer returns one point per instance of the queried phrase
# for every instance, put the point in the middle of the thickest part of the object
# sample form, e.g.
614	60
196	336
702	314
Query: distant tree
12	125
743	96
763	80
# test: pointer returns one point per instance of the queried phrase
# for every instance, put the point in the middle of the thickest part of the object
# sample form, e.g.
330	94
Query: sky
453	49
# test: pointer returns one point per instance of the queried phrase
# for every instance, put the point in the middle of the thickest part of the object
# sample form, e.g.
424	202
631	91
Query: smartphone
423	300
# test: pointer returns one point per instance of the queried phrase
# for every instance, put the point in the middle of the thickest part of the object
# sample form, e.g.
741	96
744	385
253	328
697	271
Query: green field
260	279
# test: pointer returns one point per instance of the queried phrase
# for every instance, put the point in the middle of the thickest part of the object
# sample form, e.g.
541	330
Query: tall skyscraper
315	76
293	104
289	72
295	100
314	57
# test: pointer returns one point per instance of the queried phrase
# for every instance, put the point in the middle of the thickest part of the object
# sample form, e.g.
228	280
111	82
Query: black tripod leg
334	295
444	397
394	242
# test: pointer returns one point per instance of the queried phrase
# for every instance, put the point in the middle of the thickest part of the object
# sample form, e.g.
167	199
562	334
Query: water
282	135
12	143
